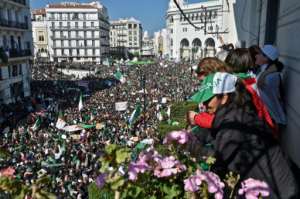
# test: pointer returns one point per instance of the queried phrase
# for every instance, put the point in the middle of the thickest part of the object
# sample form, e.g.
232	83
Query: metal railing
23	2
13	24
14	53
74	27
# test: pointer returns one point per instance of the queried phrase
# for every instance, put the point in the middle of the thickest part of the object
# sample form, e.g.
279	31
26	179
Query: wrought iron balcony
13	24
14	53
23	2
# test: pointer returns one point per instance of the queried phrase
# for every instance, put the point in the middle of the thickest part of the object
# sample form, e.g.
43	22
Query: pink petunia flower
215	185
141	166
252	189
168	166
181	137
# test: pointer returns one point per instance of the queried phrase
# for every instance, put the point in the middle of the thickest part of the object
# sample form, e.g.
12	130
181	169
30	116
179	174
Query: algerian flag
135	114
119	76
60	124
37	124
80	105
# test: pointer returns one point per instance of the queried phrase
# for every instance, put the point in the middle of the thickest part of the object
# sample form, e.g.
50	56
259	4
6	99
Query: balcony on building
20	2
11	55
13	24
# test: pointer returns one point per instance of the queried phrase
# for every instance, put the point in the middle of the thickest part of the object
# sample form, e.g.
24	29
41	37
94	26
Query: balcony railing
14	53
75	27
23	2
13	24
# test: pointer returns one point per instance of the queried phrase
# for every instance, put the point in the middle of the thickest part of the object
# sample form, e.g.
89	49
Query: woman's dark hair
254	50
239	60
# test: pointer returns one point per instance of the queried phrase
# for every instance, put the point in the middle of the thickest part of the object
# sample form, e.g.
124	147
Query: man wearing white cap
269	82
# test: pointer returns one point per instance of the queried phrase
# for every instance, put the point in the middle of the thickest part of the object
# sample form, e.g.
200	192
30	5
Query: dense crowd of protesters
241	113
72	162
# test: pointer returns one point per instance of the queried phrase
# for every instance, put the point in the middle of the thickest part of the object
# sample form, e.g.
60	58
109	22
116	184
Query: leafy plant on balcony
3	55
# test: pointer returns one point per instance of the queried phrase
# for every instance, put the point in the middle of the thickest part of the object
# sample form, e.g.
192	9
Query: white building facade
40	35
15	50
78	32
161	42
126	33
147	45
212	20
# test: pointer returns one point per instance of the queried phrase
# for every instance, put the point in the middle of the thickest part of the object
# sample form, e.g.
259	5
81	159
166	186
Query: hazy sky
150	12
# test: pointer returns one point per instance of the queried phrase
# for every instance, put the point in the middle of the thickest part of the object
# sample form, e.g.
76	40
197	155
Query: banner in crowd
72	128
60	124
121	106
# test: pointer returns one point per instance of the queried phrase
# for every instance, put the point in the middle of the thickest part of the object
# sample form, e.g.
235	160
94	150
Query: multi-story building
161	43
147	45
40	35
15	50
212	19
126	33
78	32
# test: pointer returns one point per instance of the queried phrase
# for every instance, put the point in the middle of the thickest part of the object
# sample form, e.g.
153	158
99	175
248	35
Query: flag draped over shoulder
80	105
135	114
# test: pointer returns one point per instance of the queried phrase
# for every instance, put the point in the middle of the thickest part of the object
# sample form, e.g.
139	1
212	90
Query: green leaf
104	166
122	155
109	149
95	193
116	182
204	166
172	192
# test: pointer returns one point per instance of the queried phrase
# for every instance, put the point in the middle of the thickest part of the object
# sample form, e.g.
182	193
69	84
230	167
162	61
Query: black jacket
244	144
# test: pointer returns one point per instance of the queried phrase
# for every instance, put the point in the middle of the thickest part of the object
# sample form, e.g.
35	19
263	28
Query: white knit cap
270	51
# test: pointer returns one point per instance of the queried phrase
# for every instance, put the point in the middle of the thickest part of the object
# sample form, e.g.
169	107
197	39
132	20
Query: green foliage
178	114
122	155
95	193
17	190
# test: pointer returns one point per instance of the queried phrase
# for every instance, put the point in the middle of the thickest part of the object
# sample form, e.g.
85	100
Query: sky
151	13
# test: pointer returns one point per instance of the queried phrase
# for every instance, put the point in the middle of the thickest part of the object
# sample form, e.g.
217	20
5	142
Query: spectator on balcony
269	83
243	143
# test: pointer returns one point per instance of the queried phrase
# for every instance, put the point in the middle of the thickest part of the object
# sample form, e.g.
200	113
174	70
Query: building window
171	31
134	25
20	69
15	70
0	74
129	26
92	24
184	30
41	38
